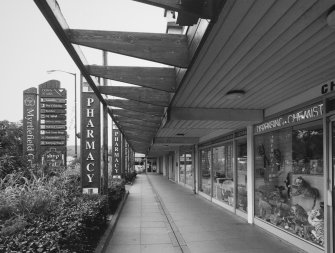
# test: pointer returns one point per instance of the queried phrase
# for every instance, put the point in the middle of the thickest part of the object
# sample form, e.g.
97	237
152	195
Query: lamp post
75	105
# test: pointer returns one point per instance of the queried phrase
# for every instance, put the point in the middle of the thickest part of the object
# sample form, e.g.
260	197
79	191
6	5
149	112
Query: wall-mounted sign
30	129
53	156
53	106
116	153
306	114
90	142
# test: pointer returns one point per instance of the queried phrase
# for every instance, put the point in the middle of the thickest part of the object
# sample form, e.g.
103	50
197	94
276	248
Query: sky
29	47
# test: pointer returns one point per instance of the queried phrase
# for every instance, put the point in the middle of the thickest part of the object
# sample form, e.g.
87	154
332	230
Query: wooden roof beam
124	119
136	106
138	126
151	77
199	8
146	95
169	49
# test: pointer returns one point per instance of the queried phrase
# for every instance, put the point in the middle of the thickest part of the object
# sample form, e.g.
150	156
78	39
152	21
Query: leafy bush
130	177
51	214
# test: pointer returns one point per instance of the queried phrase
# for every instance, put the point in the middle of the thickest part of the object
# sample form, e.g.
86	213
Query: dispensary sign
90	142
306	114
116	153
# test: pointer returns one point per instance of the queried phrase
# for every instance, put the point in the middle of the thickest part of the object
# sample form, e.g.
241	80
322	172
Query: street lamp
75	104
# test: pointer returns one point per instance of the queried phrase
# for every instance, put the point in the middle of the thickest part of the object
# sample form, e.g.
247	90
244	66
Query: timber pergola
143	110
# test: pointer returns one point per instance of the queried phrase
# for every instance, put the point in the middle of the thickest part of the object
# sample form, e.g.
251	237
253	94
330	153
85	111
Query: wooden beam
169	49
136	115
202	9
156	78
136	106
139	129
177	113
138	132
146	95
176	140
52	13
138	126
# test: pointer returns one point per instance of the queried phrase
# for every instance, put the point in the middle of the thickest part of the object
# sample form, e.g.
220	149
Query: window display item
303	188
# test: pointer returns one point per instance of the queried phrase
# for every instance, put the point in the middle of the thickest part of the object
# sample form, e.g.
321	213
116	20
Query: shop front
290	174
223	172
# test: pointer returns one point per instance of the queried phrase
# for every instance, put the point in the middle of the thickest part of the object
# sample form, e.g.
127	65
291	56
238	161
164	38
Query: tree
11	146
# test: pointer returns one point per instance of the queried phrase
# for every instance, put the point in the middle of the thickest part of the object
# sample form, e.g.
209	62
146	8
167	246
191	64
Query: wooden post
105	136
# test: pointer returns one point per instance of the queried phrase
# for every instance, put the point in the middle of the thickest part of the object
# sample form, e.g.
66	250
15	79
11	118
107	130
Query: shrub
116	191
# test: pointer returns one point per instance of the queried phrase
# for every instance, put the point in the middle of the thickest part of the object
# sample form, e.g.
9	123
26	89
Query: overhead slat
137	126
199	8
138	129
136	106
136	115
151	77
140	94
169	49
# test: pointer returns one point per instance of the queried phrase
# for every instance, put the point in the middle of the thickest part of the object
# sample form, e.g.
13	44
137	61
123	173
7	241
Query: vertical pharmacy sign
116	153
90	141
30	129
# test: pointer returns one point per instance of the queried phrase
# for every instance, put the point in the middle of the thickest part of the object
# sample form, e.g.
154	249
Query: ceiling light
331	17
235	94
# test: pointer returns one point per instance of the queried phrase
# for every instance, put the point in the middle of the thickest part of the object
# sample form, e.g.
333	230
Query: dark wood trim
136	106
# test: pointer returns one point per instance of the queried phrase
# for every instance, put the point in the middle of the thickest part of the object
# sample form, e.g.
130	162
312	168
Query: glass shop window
289	180
241	164
182	168
223	175
205	171
189	169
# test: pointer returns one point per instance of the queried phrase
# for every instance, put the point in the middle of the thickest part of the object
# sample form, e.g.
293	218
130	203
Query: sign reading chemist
90	142
306	114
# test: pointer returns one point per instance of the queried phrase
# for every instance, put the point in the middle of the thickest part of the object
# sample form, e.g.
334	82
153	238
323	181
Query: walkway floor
162	217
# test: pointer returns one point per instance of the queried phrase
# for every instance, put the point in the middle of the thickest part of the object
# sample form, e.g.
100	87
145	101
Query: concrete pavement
161	216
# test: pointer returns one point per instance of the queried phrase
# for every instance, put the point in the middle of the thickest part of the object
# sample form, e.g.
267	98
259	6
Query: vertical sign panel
30	128
116	154
90	142
52	124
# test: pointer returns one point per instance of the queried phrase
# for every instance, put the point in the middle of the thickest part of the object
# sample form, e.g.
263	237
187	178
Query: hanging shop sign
328	87
306	114
30	129
90	143
52	124
116	153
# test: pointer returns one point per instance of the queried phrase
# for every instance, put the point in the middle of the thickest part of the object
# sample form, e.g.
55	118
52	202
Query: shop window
205	171
289	180
223	175
182	168
241	166
188	169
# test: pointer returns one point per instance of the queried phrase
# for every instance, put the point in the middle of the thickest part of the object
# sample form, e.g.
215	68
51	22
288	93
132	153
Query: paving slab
162	216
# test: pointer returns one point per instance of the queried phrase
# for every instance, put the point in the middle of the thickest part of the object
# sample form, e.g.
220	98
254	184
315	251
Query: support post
250	173
105	136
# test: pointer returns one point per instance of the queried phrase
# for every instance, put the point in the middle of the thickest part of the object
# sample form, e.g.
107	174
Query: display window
205	171
182	168
223	173
289	180
241	167
189	169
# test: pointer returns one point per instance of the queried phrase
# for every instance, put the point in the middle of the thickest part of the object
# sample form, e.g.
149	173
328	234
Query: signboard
53	106
53	156
30	128
60	111
53	92
53	100
90	143
53	123
312	112
116	153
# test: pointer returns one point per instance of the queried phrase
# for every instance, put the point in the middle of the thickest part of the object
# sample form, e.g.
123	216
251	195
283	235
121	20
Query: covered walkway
161	216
